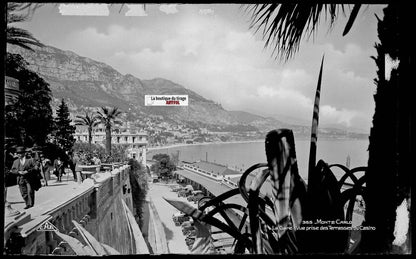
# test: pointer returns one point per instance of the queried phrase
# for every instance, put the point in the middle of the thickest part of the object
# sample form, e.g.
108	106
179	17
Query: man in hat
24	167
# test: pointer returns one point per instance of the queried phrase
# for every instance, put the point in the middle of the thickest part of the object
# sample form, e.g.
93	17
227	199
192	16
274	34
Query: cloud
229	66
135	10
168	8
206	11
266	91
84	9
329	114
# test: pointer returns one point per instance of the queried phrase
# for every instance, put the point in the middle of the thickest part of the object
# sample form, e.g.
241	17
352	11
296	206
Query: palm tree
392	137
17	36
91	121
109	118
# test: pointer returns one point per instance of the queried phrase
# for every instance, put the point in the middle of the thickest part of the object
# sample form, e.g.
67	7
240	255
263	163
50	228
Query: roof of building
215	168
231	172
216	188
210	167
212	186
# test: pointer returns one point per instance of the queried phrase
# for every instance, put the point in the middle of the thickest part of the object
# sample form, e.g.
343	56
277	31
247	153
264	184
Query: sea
242	155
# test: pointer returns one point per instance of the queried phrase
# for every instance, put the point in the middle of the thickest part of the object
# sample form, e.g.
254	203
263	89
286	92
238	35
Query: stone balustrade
88	203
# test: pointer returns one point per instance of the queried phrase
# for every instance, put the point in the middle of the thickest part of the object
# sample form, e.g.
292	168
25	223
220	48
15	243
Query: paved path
174	236
47	197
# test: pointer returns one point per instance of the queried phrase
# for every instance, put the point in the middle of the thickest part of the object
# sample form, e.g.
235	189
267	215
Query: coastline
203	144
234	142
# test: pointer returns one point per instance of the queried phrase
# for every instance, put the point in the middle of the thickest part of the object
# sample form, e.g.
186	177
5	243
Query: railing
86	205
88	171
204	173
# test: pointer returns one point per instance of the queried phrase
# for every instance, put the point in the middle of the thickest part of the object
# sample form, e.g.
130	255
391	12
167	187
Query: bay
240	156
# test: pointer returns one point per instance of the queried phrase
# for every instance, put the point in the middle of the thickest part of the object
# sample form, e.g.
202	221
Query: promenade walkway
174	236
49	197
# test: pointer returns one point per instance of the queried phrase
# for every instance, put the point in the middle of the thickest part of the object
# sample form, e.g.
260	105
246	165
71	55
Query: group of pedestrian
33	170
28	175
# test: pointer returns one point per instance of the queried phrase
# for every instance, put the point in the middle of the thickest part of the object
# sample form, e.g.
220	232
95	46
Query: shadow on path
16	202
53	185
168	232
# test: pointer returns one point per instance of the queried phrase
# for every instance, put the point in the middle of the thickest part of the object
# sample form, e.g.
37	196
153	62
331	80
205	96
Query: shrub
139	185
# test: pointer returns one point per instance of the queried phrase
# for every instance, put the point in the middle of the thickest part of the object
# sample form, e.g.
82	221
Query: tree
139	186
109	118
17	36
29	120
392	137
64	131
89	149
91	121
164	165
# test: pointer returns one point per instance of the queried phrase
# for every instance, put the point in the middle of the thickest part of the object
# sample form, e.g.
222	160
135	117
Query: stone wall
96	204
156	236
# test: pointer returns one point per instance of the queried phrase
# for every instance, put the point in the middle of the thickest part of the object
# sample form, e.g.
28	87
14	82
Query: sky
210	49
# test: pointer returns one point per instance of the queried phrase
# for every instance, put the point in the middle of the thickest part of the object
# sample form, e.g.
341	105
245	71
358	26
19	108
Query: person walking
46	168
73	159
36	177
59	168
97	161
24	168
76	162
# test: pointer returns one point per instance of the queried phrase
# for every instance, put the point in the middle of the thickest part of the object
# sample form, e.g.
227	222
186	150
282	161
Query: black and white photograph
280	128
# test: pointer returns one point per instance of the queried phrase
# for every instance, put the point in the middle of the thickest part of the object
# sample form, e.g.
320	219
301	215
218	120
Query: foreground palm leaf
209	218
314	130
90	240
17	36
75	244
285	25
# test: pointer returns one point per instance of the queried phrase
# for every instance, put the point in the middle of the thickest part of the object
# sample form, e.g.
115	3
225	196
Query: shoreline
203	144
231	142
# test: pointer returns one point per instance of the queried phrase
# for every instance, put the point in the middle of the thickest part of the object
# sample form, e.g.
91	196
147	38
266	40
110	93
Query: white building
135	140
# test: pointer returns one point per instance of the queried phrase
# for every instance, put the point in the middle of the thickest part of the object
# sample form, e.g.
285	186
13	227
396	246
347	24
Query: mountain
245	117
293	120
335	127
84	82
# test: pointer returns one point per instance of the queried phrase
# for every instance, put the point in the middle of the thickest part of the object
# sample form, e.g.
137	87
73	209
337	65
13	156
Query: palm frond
108	117
29	8
80	122
17	36
87	120
13	18
20	34
314	129
285	25
351	20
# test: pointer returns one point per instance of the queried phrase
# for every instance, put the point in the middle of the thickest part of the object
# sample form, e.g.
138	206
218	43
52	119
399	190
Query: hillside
84	82
88	83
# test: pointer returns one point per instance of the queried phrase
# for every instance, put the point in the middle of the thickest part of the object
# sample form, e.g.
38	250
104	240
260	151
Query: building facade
135	140
11	90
